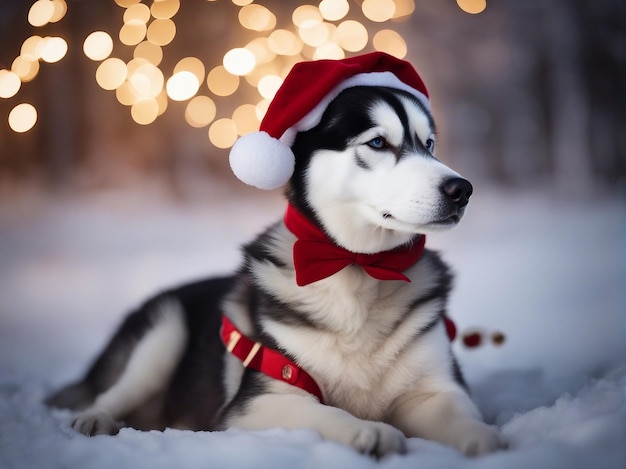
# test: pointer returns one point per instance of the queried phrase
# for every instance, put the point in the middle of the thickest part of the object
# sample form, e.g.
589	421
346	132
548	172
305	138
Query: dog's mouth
448	221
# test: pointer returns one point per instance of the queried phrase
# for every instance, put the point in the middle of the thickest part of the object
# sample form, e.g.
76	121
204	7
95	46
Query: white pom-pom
262	161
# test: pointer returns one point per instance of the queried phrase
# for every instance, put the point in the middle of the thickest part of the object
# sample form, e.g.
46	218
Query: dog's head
367	173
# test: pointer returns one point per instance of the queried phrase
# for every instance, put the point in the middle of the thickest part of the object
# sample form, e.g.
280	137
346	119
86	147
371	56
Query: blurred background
116	117
98	94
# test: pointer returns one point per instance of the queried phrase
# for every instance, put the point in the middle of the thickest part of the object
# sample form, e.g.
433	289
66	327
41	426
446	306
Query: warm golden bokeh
328	29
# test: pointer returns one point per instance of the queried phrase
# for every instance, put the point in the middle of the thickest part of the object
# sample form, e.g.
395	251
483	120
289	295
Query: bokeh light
31	48
403	8
145	111
139	12
22	117
472	6
239	61
146	80
268	85
40	13
98	45
257	18
221	82
25	68
223	133
200	111
161	32
313	33
261	50
164	9
125	94
182	85
132	33
329	51
193	65
378	10
148	51
127	3
261	108
334	10
353	36
321	30
53	49
10	84
306	14
391	42
111	73
245	119
60	9
284	42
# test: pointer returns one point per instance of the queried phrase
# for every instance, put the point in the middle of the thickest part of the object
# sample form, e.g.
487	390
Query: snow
546	270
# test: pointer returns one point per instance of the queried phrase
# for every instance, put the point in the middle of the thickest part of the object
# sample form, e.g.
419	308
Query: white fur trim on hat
262	161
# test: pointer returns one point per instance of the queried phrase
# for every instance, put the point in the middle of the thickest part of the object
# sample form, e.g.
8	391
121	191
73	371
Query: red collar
316	257
266	360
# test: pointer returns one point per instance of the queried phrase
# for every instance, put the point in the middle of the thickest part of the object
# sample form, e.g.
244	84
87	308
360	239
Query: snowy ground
548	272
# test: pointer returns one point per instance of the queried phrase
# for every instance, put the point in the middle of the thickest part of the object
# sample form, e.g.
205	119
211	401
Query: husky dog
361	358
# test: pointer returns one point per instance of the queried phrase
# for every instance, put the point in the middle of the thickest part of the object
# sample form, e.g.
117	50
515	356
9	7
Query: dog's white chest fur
362	352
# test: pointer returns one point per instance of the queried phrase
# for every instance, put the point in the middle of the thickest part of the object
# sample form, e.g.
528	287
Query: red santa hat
264	159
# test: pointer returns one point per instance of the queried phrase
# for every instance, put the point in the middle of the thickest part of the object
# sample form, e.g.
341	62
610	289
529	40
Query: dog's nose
458	190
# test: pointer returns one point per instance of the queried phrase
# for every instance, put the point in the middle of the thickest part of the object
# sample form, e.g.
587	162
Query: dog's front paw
93	423
477	438
378	439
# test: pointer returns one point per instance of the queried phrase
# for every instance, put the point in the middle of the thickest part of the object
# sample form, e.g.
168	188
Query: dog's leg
148	370
293	411
449	417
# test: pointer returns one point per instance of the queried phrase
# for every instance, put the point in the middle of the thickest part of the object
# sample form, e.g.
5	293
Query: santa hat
264	159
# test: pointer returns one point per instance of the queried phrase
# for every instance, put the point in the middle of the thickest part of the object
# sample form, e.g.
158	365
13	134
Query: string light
223	133
268	85
145	111
139	13
200	111
245	119
318	31
257	18
378	10
164	9
182	86
98	45
221	82
161	32
10	84
111	73
22	117
239	61
334	10
352	36
53	49
148	51
31	48
40	13
25	68
472	6
193	65
391	42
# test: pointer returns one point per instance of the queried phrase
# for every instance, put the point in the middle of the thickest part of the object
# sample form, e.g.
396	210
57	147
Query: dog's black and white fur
378	349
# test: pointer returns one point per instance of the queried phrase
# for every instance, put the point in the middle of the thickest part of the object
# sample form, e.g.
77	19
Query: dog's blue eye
377	143
430	145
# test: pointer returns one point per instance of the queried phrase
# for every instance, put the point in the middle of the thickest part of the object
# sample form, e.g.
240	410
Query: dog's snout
458	190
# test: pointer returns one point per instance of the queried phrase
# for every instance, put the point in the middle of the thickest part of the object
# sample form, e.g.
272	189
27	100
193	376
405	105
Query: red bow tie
316	257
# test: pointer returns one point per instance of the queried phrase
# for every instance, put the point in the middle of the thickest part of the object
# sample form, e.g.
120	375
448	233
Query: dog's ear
264	159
